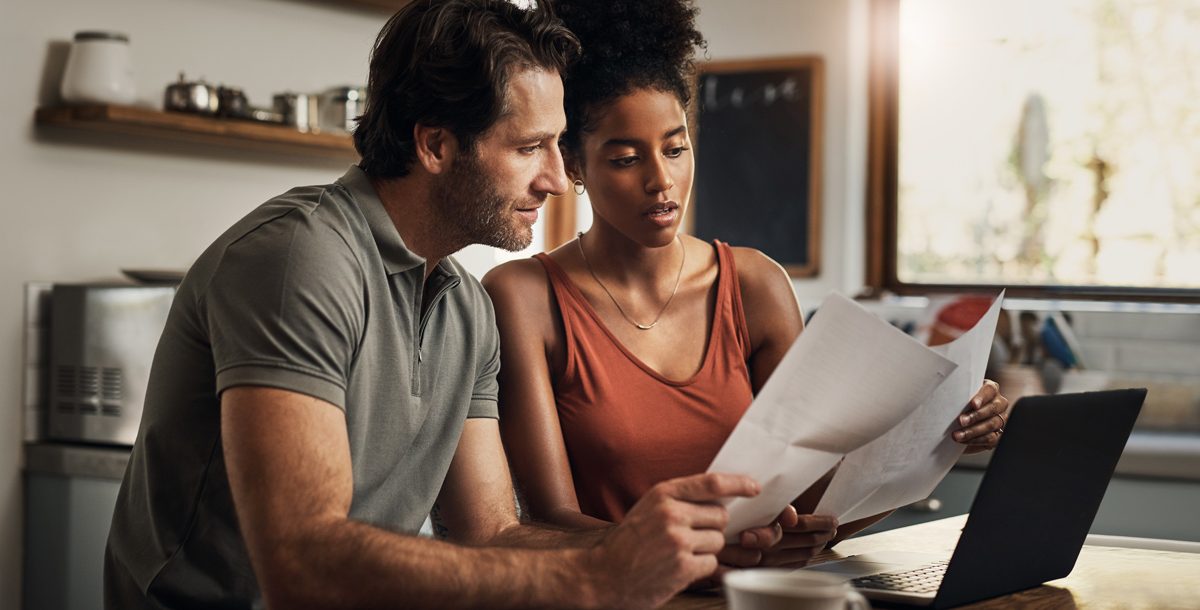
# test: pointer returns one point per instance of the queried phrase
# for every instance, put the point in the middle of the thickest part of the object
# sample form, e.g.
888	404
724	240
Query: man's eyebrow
542	135
670	133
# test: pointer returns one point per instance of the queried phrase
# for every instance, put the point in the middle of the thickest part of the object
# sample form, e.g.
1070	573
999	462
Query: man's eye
675	152
529	150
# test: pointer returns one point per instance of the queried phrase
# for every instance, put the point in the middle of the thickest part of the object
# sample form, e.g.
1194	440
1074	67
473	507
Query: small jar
99	70
341	107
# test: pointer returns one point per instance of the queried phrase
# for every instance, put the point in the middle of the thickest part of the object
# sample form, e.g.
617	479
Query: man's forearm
544	536
352	564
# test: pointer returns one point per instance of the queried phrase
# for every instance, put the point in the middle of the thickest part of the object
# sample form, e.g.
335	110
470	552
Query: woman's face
637	166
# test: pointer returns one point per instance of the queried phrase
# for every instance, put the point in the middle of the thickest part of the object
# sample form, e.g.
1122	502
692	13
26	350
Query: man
328	373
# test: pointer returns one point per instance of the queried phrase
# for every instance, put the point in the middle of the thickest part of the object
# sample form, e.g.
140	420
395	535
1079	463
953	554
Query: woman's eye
675	152
624	161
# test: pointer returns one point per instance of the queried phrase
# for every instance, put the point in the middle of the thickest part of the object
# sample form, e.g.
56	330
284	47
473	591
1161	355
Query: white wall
837	31
79	207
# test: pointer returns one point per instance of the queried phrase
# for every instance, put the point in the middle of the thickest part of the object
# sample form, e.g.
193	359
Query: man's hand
669	539
982	422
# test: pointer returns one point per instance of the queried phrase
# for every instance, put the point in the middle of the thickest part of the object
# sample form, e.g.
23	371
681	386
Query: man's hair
627	45
447	63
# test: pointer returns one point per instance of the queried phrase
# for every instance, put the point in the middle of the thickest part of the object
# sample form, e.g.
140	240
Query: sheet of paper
906	463
848	378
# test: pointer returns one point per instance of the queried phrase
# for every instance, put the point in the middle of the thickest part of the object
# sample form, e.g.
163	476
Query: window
1049	146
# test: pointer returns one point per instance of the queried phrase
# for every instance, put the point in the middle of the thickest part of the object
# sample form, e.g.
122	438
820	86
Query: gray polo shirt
313	292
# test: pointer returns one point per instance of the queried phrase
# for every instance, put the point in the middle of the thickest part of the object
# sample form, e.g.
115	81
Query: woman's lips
663	215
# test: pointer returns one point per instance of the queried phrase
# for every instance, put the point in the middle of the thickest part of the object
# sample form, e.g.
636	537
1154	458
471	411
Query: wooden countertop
1104	577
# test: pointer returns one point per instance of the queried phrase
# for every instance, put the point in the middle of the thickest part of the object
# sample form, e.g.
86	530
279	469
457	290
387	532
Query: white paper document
907	462
847	379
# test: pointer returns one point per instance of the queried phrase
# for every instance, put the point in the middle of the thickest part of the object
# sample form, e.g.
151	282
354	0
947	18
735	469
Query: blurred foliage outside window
1049	142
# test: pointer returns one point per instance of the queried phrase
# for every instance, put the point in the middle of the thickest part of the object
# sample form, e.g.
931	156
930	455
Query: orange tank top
625	426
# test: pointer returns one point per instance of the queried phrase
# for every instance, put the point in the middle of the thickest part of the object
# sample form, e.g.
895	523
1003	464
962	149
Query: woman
631	352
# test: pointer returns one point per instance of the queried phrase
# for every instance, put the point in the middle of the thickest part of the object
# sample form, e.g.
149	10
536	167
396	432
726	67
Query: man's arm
288	463
476	505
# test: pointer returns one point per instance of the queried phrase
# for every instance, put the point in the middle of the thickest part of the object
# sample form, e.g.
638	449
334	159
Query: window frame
882	230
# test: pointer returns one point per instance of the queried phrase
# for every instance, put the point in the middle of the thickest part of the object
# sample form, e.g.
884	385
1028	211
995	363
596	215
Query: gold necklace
678	275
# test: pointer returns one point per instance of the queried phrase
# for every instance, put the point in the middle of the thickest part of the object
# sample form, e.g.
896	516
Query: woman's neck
612	255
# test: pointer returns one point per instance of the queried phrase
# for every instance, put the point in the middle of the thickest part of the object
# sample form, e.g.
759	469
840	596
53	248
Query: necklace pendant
645	326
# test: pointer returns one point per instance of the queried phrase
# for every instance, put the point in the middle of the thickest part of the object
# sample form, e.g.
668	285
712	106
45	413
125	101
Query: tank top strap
572	306
730	291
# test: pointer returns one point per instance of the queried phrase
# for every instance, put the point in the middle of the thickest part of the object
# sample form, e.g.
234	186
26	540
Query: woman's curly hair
627	45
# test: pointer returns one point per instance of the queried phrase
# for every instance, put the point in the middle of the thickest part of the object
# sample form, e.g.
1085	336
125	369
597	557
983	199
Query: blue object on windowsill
1055	345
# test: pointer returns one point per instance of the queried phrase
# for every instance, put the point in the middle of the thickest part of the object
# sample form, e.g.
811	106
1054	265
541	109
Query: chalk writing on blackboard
758	158
720	93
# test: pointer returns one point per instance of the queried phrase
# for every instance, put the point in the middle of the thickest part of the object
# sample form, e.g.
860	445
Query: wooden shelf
194	128
387	6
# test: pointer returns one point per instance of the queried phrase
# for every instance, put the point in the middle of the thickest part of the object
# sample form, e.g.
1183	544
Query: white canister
99	70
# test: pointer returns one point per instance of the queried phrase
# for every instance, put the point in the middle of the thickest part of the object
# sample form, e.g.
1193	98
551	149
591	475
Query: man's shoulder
306	228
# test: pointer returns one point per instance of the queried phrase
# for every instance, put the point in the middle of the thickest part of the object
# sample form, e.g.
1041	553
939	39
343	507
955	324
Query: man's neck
408	201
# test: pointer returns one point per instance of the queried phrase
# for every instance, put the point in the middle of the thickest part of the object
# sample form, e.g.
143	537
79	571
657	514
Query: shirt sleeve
285	309
486	394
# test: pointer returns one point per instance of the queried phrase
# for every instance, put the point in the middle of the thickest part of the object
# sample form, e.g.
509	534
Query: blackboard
758	164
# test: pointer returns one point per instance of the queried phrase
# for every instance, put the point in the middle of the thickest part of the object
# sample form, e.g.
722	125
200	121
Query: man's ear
435	147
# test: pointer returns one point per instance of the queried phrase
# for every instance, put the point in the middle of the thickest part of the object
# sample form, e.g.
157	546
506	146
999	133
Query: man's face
493	191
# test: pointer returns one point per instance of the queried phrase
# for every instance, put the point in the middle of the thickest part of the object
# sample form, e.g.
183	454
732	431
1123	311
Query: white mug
775	589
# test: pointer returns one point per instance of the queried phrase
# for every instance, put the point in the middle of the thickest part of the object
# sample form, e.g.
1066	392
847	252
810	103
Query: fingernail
749	538
964	419
958	436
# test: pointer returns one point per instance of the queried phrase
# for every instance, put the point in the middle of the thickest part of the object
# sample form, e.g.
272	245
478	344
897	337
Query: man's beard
474	211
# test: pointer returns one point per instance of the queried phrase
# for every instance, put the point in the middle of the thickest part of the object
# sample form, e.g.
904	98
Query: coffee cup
774	589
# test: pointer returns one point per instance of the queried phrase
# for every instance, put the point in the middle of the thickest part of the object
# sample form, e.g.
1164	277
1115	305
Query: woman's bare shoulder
517	274
758	272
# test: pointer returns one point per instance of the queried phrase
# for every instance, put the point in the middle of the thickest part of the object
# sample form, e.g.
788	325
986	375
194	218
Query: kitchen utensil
98	69
265	115
232	103
340	106
300	110
186	96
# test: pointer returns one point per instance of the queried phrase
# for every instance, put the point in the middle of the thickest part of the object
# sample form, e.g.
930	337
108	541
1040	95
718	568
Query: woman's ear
435	147
573	164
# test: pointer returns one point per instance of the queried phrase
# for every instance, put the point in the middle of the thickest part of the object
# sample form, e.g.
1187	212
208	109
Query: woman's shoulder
757	271
516	277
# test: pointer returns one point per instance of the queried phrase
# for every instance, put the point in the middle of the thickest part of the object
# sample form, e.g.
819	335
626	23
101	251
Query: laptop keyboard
925	579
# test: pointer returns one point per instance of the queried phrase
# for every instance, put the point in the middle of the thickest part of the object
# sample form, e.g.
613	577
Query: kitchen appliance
102	342
98	70
191	96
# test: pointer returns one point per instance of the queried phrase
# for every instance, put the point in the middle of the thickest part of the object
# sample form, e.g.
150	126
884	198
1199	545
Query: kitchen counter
76	460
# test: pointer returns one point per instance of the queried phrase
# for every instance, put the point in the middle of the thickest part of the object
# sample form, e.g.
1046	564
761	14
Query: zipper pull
420	358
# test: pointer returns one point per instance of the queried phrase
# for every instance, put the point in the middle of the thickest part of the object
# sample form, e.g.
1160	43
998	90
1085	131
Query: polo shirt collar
397	258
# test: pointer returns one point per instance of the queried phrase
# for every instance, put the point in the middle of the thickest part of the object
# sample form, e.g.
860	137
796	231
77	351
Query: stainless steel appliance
102	341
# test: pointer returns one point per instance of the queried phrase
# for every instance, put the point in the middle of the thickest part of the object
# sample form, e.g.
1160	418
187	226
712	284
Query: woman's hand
982	423
799	538
801	542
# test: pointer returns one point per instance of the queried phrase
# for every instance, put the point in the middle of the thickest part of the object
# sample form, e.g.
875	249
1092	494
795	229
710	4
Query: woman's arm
531	344
773	316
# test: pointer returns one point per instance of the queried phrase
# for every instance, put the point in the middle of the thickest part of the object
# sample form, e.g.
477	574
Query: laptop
1040	493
